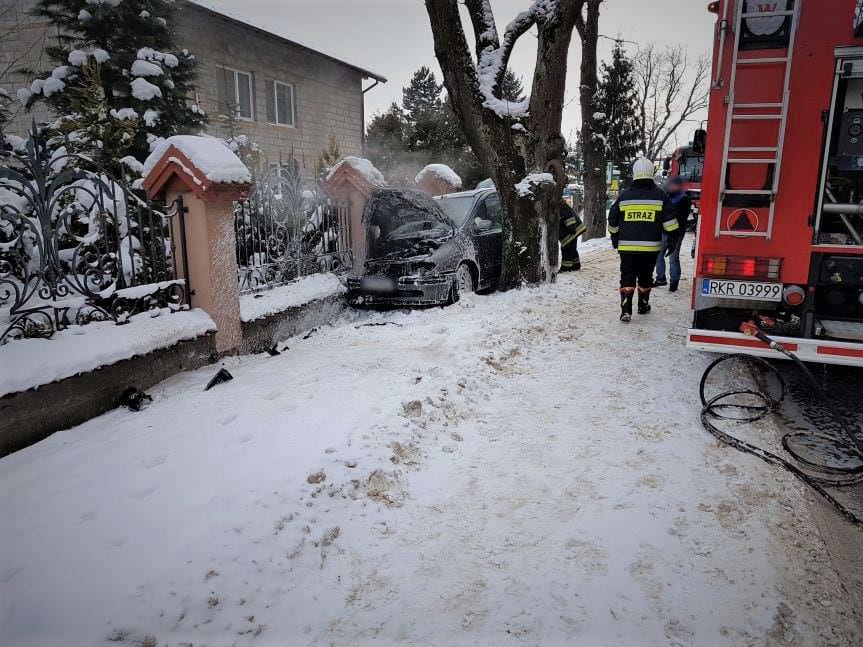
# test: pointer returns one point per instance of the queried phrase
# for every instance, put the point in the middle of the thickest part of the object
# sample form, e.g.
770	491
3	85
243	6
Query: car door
487	232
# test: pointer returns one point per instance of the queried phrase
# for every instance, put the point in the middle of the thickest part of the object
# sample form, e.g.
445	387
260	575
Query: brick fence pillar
203	234
353	180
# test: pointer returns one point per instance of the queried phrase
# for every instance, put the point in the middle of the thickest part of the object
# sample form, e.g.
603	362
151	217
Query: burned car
427	251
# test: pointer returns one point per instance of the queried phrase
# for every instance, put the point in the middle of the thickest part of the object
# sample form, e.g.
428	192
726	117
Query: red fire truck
780	239
688	163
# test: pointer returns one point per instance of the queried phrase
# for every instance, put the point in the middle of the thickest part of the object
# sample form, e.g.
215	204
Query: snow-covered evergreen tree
618	104
511	88
117	87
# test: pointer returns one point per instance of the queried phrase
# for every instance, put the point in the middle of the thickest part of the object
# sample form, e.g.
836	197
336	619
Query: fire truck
688	163
780	238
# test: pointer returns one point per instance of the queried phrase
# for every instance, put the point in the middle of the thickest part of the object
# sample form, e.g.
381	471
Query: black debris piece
222	376
274	350
380	323
134	399
310	333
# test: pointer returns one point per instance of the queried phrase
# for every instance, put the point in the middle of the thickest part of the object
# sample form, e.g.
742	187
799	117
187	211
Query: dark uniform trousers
636	268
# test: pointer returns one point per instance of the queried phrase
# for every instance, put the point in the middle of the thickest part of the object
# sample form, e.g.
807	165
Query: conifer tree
329	157
125	48
511	87
618	103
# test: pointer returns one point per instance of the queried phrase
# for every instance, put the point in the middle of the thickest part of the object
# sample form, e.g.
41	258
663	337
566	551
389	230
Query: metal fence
77	246
288	228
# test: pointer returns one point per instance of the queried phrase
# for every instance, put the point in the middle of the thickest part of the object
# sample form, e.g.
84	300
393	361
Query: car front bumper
408	291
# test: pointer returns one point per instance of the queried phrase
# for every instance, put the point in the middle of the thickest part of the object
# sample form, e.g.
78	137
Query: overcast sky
392	37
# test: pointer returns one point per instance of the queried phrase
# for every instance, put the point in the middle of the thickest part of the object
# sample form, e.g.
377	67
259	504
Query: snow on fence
77	246
287	229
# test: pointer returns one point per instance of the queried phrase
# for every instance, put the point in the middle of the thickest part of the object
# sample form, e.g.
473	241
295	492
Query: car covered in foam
428	251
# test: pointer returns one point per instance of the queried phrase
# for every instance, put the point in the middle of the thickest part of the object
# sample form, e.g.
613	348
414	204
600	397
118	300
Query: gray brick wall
22	41
328	95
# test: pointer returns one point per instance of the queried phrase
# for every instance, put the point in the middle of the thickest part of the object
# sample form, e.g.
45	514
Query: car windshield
691	167
457	208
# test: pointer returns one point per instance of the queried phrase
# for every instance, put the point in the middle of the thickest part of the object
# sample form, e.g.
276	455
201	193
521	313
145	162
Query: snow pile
279	299
441	172
143	90
210	155
526	186
124	113
146	68
362	166
80	349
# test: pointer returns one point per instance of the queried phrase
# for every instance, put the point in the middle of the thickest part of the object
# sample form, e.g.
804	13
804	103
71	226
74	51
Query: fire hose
749	405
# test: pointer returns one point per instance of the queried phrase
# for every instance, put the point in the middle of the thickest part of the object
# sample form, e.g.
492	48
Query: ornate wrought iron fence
287	229
77	246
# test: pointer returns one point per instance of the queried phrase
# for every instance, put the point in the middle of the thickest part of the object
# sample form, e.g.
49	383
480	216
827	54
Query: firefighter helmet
643	169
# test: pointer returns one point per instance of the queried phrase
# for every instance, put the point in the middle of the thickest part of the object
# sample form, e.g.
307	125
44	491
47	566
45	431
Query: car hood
403	224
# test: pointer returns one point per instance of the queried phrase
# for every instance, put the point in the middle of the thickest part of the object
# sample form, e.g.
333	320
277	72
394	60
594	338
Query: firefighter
671	244
636	223
571	226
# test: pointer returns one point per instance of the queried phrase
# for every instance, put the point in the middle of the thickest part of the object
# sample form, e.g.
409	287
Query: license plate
378	284
752	290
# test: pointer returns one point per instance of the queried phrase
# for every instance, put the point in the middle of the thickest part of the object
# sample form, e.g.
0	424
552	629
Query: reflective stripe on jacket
639	216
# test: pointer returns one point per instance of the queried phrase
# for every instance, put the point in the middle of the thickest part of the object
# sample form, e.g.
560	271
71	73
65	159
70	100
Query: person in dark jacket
672	242
571	226
636	224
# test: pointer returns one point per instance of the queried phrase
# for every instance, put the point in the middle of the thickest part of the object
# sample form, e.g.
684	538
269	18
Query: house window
236	93
280	104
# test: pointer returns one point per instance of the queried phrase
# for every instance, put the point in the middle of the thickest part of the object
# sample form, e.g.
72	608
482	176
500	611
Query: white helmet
643	169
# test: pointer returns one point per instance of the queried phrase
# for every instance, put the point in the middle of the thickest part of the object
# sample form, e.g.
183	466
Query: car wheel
464	279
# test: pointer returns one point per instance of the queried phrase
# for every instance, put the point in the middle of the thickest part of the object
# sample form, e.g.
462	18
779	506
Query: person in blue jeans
672	242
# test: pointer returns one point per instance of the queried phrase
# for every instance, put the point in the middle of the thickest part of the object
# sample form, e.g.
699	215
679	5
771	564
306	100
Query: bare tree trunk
511	145
595	195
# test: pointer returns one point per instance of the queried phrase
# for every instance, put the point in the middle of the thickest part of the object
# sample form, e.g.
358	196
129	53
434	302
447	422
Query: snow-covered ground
518	469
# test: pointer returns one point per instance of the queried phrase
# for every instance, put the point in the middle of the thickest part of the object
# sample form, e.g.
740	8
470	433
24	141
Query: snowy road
519	469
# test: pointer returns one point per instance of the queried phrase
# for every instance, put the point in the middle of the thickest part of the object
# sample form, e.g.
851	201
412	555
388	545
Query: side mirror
666	164
699	141
481	224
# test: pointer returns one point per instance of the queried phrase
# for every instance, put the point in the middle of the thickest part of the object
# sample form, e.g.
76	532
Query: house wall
22	44
328	96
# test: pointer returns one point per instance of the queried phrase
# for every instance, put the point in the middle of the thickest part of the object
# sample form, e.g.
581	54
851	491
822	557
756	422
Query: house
287	97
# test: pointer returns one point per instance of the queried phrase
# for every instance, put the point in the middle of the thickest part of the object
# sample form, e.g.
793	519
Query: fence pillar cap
438	179
354	175
203	165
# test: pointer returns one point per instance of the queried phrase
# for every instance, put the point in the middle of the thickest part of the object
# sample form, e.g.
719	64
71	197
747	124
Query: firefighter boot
626	296
643	301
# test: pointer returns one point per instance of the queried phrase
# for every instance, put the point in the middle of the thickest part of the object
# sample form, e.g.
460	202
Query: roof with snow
213	9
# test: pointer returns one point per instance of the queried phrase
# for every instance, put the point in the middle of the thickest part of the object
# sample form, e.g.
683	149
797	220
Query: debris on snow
316	477
224	375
